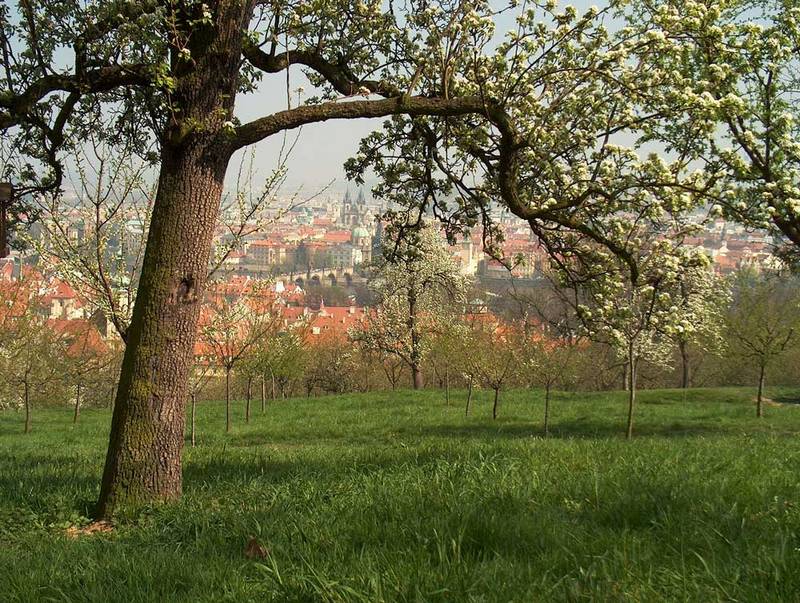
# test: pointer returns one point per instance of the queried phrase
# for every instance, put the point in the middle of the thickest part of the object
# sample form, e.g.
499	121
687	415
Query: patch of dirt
255	550
768	402
96	527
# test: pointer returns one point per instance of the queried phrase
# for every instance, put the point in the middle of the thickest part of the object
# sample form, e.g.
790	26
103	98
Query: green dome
359	232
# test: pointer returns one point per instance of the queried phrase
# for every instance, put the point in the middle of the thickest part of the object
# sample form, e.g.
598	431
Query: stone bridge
332	277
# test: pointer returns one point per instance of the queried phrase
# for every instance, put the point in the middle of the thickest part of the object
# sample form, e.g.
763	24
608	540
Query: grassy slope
398	497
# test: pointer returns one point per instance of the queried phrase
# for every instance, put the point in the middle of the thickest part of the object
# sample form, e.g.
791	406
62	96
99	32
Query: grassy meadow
399	497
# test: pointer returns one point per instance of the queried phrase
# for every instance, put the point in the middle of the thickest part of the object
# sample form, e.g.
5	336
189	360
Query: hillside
400	497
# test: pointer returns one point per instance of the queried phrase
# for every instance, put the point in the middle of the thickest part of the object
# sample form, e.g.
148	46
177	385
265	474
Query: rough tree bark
143	462
496	400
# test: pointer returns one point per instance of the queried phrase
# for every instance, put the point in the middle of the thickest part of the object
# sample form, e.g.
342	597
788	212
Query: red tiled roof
82	337
337	236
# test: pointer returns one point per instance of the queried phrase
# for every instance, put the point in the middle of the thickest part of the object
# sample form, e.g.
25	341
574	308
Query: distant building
345	255
362	241
354	213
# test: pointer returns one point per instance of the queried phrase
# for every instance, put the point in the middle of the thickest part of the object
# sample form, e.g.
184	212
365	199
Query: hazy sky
321	149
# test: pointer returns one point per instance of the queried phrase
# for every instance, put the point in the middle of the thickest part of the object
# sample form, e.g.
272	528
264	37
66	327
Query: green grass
397	497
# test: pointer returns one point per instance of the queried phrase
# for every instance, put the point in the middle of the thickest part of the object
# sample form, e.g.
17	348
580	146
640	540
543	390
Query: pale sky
321	149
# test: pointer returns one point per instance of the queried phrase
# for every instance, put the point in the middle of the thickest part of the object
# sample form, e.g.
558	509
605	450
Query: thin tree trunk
469	396
249	396
274	392
263	394
194	414
547	409
631	395
143	462
760	397
686	375
391	375
496	399
416	355
418	379
227	400
26	393
447	385
77	413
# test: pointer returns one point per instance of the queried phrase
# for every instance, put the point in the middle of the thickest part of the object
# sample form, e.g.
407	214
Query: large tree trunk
686	369
760	396
76	415
144	455
631	394
143	463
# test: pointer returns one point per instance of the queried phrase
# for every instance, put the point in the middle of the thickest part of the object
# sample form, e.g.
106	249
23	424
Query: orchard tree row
681	325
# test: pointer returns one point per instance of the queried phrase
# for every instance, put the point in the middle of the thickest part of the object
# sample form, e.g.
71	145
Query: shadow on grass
787	398
36	480
579	429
